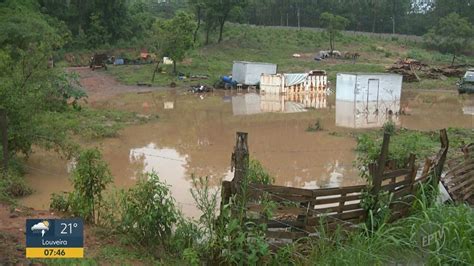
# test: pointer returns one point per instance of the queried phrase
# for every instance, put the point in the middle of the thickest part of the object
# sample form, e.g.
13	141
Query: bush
13	186
257	174
149	212
317	126
90	177
59	202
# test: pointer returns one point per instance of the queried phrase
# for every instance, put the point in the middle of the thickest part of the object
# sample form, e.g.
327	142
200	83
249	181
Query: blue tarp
118	61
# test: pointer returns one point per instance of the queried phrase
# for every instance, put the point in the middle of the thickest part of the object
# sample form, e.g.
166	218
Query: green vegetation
174	37
148	212
90	177
403	142
227	239
43	108
333	25
277	45
453	35
317	126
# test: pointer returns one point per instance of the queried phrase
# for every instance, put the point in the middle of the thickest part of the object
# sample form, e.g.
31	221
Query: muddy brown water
195	135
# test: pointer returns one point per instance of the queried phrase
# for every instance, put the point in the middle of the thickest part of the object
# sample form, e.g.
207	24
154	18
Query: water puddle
196	134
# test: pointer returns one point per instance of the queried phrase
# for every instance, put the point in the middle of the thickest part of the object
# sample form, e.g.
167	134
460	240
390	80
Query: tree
453	35
333	24
97	33
222	9
28	87
175	36
198	7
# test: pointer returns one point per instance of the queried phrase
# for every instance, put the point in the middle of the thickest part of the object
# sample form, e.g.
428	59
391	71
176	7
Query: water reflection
366	115
253	103
468	110
170	166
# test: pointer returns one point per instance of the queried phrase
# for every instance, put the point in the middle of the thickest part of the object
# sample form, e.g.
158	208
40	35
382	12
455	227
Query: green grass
401	242
405	141
274	45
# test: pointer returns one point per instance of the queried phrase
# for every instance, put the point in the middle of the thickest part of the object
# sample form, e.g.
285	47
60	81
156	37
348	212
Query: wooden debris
459	180
413	70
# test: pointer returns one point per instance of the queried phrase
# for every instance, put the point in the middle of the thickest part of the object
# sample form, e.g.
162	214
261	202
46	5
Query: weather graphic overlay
54	238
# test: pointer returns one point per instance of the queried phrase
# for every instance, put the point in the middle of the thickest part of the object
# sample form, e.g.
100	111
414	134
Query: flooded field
195	134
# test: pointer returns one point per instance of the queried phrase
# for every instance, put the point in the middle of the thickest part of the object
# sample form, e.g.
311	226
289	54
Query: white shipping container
248	73
313	82
365	100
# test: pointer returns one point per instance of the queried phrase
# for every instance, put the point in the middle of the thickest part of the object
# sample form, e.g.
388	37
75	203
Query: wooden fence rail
300	211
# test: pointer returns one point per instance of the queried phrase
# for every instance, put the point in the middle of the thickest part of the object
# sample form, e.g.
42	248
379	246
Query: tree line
381	16
94	23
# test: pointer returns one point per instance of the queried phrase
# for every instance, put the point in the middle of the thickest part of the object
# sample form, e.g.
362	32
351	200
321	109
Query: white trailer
365	100
248	73
315	81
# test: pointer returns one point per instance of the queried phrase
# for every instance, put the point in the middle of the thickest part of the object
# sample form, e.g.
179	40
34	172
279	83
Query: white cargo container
365	100
248	73
315	81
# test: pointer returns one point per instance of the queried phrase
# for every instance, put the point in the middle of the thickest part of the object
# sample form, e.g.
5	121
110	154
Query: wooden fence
459	180
298	212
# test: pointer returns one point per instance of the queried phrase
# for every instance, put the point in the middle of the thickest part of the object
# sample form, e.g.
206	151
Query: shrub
59	202
149	212
90	177
257	174
317	126
12	186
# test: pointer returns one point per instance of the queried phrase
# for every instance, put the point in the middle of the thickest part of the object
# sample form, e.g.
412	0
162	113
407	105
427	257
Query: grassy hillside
277	45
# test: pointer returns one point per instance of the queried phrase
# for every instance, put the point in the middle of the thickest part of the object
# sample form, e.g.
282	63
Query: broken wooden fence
459	179
300	211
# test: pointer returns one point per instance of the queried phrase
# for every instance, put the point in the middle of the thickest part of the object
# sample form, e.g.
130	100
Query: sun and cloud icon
42	227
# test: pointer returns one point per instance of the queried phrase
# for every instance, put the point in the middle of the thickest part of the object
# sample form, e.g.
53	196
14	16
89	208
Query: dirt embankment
12	232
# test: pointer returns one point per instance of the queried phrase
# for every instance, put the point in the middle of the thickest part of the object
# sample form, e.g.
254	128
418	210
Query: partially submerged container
248	73
365	100
315	81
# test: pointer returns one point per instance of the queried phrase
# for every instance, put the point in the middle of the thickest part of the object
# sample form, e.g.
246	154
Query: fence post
443	136
240	161
376	170
4	136
412	166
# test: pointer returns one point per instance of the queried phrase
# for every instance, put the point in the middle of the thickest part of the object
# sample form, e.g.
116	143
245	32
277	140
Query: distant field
277	45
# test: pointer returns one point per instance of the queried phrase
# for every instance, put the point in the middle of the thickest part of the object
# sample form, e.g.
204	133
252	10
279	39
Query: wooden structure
459	180
98	61
297	212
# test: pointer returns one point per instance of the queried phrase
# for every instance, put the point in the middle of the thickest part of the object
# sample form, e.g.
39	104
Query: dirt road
100	86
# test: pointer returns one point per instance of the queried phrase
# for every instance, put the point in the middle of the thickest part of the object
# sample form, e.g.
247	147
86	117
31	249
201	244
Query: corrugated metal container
314	82
365	100
248	73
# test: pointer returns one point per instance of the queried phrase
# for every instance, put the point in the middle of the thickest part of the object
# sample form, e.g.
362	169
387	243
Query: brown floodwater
195	135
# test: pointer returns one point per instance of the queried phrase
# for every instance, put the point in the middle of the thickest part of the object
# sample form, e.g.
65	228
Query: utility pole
298	14
4	137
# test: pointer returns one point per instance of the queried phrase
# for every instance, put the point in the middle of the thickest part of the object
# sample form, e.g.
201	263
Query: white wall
359	107
248	73
350	85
